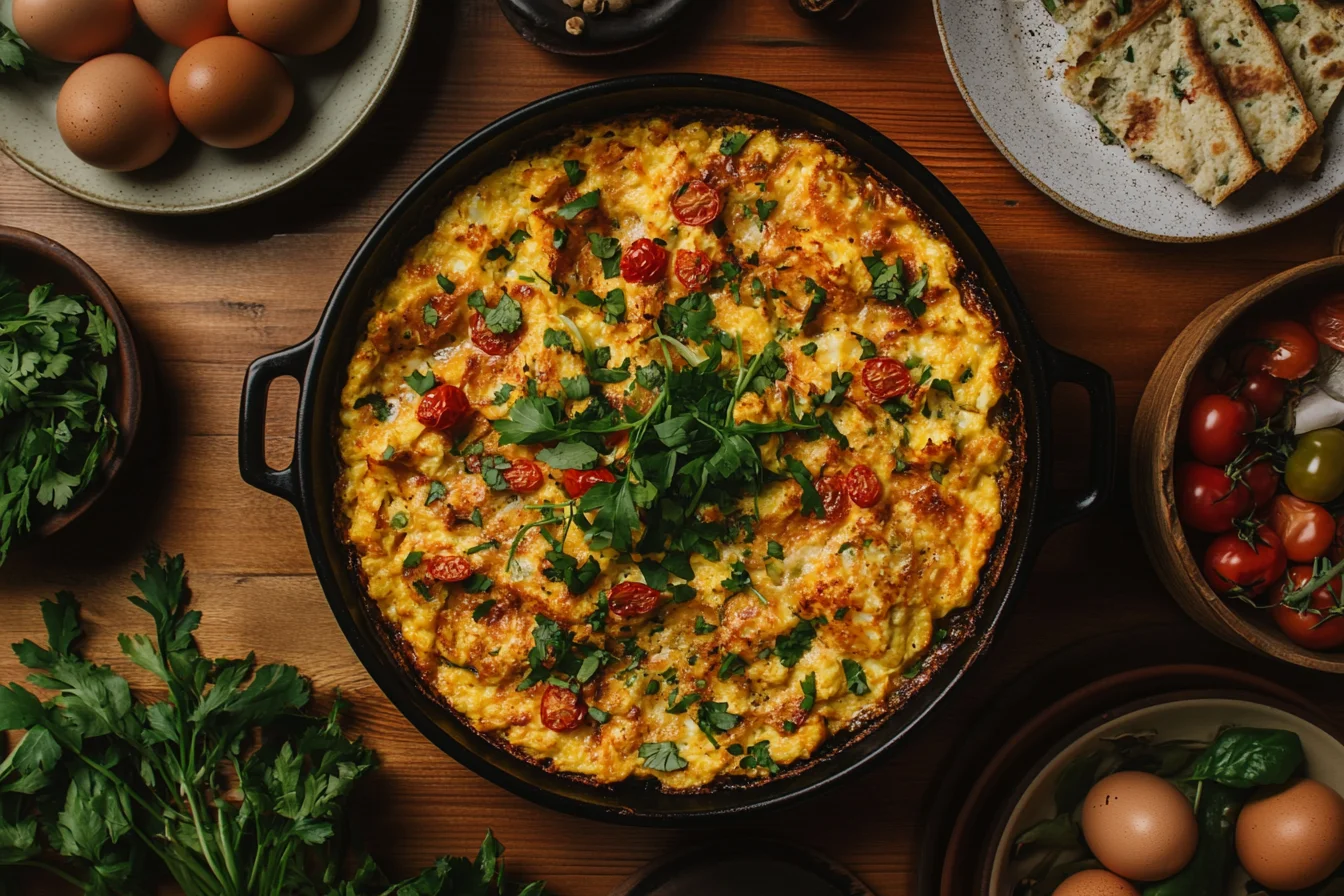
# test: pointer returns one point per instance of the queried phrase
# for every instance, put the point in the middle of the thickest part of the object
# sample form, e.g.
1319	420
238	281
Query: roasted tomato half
443	407
693	268
644	262
562	709
886	378
863	486
832	492
577	482
448	568
524	475
490	342
629	599
697	203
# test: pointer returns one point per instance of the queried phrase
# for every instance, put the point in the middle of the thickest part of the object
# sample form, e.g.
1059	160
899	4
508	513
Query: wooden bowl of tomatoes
1238	467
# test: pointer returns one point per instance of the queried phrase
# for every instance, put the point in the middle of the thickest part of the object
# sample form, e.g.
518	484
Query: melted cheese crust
892	571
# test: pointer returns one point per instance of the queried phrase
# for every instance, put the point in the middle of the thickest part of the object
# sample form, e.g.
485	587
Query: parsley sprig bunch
685	451
54	424
229	785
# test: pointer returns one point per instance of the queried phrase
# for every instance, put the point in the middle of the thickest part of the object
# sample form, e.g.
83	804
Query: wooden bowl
35	260
1152	460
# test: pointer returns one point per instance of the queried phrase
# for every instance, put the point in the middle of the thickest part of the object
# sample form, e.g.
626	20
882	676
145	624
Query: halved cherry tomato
1327	321
1206	499
886	378
1281	348
524	475
1265	393
863	486
1307	529
644	262
493	343
577	482
832	492
448	568
1262	480
696	203
443	407
628	599
562	709
1248	567
1218	428
1313	630
692	268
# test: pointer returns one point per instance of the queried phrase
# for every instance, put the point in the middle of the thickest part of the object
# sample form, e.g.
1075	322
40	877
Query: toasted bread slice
1256	80
1311	35
1089	22
1152	85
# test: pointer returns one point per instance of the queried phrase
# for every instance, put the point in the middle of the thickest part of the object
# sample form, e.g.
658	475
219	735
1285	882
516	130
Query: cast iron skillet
319	364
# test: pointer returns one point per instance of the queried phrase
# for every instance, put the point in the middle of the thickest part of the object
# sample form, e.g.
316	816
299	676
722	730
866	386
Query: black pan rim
1031	382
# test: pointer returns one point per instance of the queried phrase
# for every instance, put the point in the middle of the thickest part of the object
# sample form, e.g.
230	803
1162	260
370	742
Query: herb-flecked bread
1152	85
1311	35
1090	22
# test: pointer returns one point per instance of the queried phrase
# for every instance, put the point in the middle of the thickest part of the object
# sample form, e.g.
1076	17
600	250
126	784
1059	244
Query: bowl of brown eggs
184	106
1226	794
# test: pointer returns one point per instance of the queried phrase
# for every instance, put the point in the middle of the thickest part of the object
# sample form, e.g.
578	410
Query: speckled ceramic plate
334	93
1003	55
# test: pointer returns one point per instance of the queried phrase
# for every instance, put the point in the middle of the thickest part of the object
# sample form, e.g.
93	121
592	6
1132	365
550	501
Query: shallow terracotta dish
1152	461
335	92
35	260
1193	716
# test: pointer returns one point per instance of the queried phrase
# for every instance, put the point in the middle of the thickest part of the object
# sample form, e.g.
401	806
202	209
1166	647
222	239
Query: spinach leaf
1250	757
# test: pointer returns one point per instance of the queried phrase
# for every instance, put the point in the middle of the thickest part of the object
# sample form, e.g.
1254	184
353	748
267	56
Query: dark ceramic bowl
543	23
35	260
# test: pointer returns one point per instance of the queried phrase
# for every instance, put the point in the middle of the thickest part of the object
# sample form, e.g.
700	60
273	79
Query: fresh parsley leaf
809	692
758	756
809	348
732	143
571	210
855	678
576	388
557	339
421	382
483	609
794	644
816	298
399	520
430	315
811	505
505	317
774	549
477	583
732	665
519	236
890	285
446	285
502	394
764	207
382	411
569	456
1281	12
712	718
437	492
574	172
704	628
14	52
612	307
662	756
868	349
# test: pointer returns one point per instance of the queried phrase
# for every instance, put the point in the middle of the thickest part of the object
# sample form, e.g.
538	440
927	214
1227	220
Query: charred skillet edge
961	624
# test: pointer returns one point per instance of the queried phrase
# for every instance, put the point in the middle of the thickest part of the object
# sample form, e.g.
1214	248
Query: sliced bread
1152	85
1311	35
1256	80
1089	22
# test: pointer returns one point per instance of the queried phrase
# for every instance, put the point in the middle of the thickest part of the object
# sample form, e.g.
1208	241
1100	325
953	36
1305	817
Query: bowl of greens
1196	794
71	387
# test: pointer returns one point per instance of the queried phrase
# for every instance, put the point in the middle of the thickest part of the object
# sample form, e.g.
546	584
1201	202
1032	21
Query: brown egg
113	112
185	22
1139	826
1095	883
295	27
230	92
1292	837
73	30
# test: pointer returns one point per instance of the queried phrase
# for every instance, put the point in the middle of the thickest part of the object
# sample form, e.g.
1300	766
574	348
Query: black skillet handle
252	421
1061	367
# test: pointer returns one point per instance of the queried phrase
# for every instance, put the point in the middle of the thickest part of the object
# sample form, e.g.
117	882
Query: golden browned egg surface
730	592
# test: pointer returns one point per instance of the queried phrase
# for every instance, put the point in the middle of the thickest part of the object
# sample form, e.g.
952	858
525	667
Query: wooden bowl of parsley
70	387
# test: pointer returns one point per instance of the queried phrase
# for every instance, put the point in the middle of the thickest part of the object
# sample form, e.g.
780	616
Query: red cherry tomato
443	407
628	599
493	343
1337	546
1234	564
1206	499
886	378
692	268
562	709
1218	428
524	475
644	262
863	486
1263	482
577	482
448	568
832	491
1307	529
1327	321
696	203
1265	393
1315	631
1281	348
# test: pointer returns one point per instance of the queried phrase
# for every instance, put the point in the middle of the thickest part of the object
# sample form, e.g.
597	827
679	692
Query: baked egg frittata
666	453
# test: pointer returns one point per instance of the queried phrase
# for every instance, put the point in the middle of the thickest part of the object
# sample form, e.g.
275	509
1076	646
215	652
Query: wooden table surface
209	294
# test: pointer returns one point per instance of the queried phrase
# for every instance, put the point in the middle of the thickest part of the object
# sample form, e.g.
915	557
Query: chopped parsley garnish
811	499
816	298
763	209
732	665
499	252
942	386
482	609
839	386
890	284
506	317
430	315
867	348
412	560
855	678
574	172
421	382
502	393
794	645
774	549
809	692
758	756
571	210
519	236
447	286
612	307
437	492
1282	12
608	250
382	411
559	238
732	144
599	716
478	583
400	520
809	348
715	718
483	546
704	628
914	670
553	338
662	756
